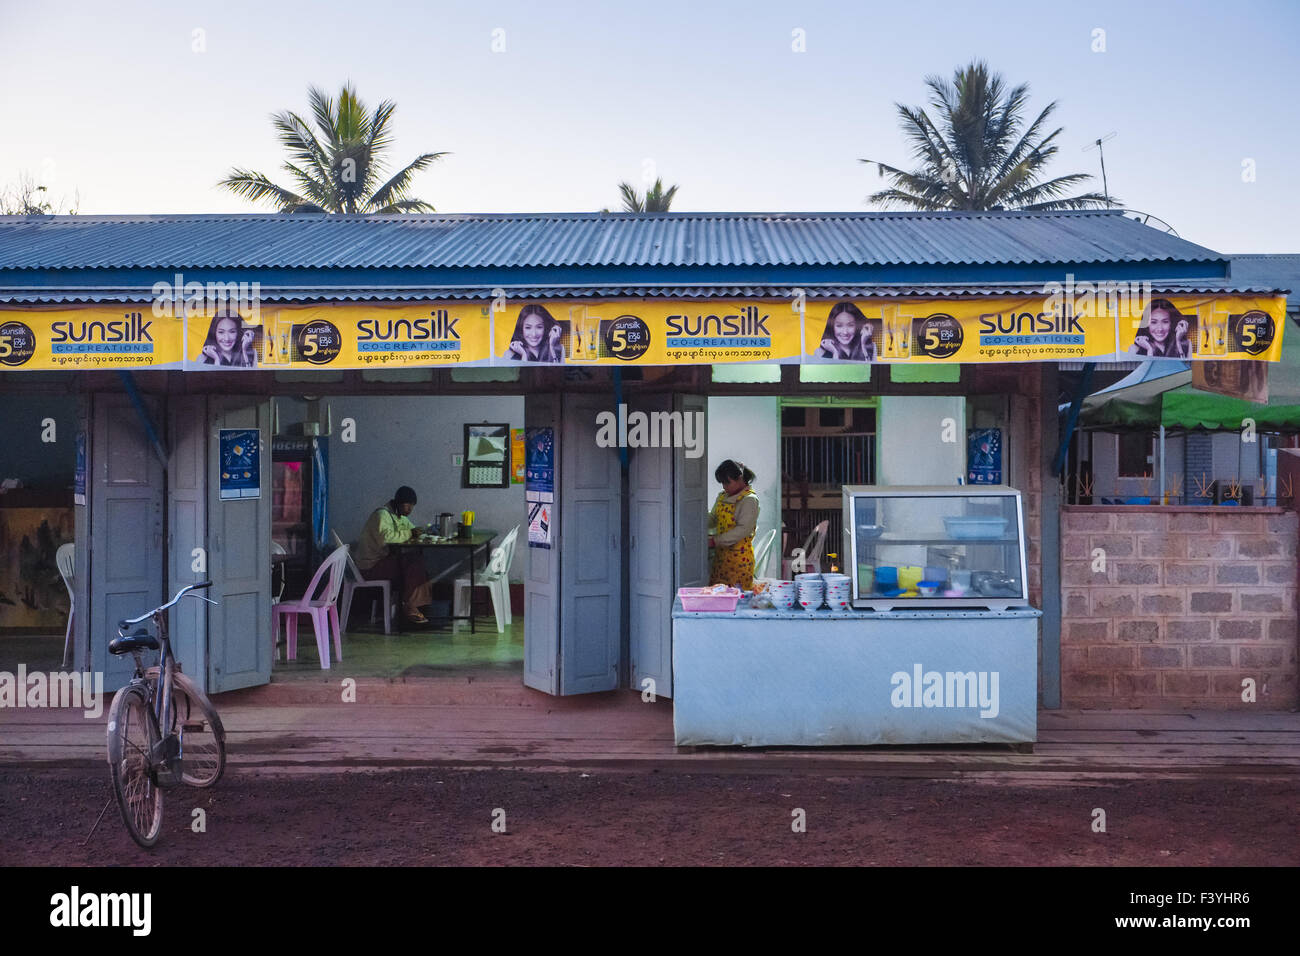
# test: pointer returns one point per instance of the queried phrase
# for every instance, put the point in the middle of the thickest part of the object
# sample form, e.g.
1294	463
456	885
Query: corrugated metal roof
432	293
1280	271
584	239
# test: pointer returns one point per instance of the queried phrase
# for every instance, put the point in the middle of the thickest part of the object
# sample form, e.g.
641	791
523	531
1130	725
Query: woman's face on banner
227	333
1159	325
534	328
845	328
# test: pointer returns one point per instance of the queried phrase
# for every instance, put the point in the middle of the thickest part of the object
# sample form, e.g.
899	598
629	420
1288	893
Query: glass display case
935	546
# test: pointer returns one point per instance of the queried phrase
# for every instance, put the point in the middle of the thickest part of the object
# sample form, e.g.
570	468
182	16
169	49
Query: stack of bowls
812	591
783	594
838	591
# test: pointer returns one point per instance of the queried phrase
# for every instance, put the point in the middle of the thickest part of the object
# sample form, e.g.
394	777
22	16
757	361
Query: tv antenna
1096	144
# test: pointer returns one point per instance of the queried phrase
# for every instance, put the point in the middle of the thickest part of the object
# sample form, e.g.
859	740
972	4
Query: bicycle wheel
202	736
130	738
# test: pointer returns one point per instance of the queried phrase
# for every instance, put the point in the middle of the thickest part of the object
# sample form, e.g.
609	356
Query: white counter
823	678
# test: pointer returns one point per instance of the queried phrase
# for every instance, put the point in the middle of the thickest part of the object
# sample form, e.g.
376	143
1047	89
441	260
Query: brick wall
1191	601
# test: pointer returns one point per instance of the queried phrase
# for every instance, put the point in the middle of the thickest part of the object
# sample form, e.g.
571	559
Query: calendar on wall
487	456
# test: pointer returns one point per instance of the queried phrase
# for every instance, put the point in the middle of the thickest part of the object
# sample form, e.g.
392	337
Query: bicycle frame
160	702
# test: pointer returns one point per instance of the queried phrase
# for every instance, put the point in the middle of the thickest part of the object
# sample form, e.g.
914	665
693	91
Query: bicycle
144	760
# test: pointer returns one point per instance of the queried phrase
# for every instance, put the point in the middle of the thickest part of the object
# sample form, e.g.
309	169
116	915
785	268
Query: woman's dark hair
859	321
545	351
1170	347
237	353
730	470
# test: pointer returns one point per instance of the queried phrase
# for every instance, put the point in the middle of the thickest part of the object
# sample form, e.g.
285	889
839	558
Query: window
860	372
1136	454
743	372
830	417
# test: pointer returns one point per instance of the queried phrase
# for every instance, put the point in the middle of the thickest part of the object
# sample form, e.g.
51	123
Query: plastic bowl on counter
928	588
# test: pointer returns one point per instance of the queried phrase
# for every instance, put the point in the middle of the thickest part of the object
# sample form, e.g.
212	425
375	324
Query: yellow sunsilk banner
643	332
340	336
1062	323
1218	328
87	338
955	331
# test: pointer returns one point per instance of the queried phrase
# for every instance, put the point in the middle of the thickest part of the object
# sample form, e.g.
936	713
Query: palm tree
979	155
654	200
341	170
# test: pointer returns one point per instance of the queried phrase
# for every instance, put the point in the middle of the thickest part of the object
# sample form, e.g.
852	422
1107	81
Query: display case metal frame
879	602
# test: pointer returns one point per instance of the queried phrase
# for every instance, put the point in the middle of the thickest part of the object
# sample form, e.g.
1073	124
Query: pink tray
704	599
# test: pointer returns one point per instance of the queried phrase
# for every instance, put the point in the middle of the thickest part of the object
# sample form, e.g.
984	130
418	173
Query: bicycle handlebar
127	622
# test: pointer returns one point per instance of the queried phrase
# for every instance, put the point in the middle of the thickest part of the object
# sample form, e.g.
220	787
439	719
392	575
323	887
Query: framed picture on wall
487	456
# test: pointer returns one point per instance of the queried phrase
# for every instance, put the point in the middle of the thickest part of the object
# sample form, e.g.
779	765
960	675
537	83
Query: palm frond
396	188
257	187
337	165
632	201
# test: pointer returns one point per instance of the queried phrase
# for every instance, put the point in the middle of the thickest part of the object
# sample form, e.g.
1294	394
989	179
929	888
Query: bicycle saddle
141	640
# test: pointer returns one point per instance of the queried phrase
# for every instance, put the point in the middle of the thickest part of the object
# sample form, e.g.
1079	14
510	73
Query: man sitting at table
390	525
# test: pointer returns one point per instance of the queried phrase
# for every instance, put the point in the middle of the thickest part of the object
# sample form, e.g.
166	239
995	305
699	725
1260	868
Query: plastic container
972	528
909	575
706	599
886	577
928	588
866	578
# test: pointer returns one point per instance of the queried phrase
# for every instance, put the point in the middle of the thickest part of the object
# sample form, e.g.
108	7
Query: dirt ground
445	817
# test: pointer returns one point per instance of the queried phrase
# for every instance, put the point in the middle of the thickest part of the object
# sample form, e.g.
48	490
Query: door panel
590	483
126	526
187	530
652	558
81	616
239	557
693	495
542	576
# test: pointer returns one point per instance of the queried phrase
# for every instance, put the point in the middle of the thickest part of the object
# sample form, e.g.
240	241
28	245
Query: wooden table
479	540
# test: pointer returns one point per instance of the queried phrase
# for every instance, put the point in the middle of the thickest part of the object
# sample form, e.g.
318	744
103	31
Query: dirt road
445	817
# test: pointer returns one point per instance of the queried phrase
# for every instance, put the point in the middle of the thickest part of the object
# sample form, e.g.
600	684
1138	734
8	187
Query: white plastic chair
809	557
66	559
496	578
763	552
354	581
320	602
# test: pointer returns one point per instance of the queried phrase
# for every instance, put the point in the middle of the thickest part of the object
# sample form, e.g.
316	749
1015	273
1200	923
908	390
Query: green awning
1171	401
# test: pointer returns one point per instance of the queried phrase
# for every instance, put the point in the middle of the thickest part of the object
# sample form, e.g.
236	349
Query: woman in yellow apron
732	520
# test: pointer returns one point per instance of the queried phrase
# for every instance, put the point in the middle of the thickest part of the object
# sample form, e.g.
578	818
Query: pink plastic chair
320	603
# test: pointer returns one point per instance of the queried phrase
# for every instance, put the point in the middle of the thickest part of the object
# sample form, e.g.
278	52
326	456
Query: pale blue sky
111	99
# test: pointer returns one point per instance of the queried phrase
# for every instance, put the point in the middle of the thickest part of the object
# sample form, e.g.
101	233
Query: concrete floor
430	652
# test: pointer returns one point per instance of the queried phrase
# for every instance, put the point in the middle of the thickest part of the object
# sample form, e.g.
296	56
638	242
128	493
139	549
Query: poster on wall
539	485
241	463
79	476
984	457
516	456
541	522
